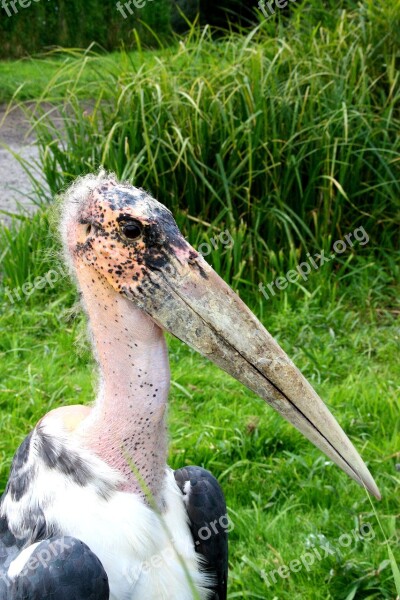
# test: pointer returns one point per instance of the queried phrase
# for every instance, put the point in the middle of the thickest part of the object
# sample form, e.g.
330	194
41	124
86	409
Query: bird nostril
88	229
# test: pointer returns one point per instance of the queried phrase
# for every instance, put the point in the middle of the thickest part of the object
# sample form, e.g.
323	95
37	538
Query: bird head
129	240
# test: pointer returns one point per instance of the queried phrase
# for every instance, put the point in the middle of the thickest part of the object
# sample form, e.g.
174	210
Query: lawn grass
27	78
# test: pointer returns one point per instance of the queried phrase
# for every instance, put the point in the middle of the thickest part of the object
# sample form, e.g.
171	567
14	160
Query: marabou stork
91	510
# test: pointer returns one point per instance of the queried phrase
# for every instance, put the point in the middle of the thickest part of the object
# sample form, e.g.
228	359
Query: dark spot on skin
160	236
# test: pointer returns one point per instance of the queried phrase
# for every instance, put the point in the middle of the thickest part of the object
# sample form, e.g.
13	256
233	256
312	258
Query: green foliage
74	23
289	141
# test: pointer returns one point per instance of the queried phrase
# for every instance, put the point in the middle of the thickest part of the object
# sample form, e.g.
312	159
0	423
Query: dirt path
15	186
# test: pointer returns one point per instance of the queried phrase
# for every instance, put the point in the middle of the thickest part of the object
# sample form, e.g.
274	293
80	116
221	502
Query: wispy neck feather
127	427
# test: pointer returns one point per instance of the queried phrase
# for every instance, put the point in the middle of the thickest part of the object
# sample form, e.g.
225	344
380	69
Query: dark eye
132	230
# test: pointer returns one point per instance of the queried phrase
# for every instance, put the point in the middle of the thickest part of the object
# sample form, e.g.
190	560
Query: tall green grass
287	136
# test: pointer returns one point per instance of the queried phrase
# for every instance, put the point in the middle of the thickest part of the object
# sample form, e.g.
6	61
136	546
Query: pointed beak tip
369	485
374	490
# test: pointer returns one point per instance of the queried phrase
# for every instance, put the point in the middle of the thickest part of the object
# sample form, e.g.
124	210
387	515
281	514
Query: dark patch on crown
161	235
161	227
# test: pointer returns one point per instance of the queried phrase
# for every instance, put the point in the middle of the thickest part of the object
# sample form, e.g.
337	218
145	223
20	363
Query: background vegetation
73	24
285	134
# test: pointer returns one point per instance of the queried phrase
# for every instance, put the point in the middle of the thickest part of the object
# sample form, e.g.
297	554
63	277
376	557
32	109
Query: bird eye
132	230
88	229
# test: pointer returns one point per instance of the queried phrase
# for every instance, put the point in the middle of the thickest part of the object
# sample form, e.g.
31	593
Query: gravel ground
15	185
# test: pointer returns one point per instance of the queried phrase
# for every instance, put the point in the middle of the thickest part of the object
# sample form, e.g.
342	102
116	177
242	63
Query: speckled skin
127	425
130	264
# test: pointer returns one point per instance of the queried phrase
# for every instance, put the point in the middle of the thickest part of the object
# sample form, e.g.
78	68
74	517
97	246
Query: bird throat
127	425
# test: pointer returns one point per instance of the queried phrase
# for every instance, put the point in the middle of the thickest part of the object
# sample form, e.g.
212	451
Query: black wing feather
206	508
60	568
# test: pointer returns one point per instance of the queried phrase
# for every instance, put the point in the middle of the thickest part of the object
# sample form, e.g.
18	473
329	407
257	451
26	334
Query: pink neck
127	427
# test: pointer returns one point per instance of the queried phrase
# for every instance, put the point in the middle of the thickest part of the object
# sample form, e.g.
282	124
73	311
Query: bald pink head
127	244
121	233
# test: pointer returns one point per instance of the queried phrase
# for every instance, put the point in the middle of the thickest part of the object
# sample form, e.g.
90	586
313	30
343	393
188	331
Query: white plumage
146	555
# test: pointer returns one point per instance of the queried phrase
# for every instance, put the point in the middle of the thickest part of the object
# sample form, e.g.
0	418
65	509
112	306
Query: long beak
192	302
